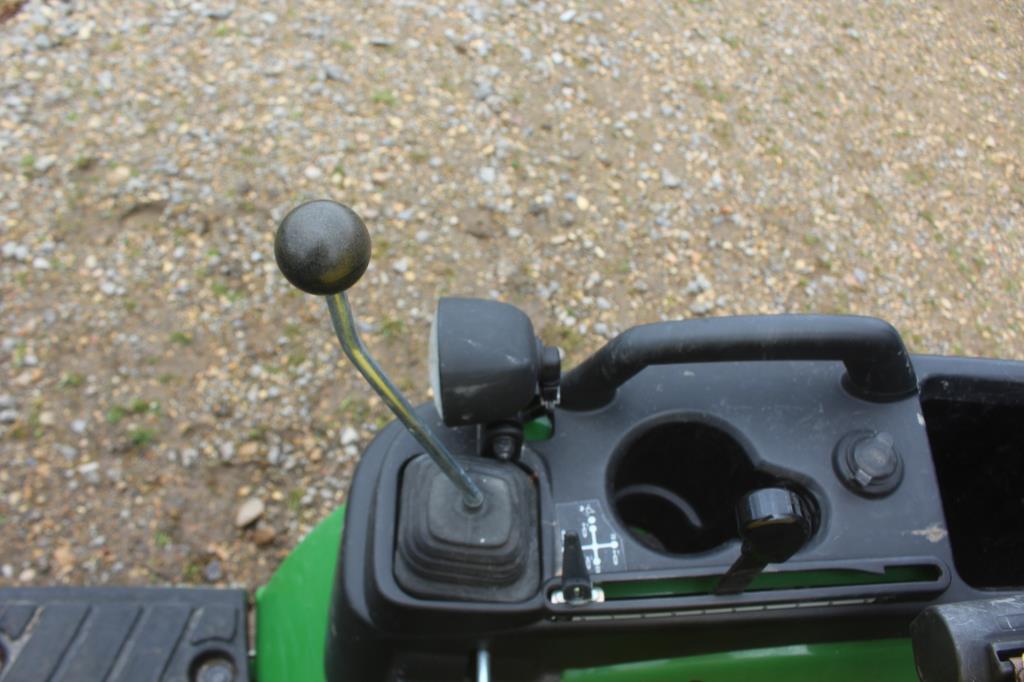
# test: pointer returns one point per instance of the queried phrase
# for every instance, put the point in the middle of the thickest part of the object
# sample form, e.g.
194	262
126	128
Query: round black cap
322	247
773	523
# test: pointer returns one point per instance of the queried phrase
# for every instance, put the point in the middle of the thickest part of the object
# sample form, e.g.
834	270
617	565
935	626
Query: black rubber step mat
122	634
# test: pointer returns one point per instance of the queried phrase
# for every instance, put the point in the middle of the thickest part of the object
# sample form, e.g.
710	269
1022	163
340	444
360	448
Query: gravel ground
598	164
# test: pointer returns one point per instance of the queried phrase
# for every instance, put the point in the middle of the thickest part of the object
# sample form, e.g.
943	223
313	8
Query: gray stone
44	163
213	571
220	13
697	285
15	251
701	307
349	436
333	72
670	181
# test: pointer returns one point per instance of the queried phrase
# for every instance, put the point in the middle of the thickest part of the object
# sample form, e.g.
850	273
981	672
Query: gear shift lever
323	248
774	524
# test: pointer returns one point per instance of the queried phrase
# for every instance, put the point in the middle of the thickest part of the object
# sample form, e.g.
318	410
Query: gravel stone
15	251
220	13
669	180
333	72
349	436
213	571
250	510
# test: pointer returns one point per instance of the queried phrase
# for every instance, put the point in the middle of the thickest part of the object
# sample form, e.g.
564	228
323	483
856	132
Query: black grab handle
878	367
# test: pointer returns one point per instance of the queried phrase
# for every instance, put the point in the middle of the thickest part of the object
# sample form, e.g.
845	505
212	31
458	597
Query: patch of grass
296	359
918	174
385	97
161	539
192	572
137	406
181	338
222	31
27	163
141	406
166	378
354	409
711	91
392	327
71	380
141	437
295	499
723	132
567	338
344	45
222	289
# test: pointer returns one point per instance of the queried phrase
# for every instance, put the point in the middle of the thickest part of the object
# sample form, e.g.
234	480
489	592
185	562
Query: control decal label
603	548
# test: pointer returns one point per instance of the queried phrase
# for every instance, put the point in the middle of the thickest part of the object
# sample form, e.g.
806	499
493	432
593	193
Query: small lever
323	248
774	525
577	587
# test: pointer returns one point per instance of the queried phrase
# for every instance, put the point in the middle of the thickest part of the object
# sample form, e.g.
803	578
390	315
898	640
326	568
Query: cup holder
675	487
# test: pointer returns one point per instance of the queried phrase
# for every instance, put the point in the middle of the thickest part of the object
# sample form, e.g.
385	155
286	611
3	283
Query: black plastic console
649	482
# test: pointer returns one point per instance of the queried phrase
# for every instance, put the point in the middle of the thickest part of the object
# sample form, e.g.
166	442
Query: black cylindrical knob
322	247
773	523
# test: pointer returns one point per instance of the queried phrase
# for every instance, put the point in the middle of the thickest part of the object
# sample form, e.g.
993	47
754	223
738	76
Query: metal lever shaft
345	329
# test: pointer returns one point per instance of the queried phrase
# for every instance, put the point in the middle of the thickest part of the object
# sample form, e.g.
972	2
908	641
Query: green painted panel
540	428
677	587
291	610
883	660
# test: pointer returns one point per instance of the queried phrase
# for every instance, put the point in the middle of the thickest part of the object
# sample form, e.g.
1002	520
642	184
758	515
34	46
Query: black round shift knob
322	247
